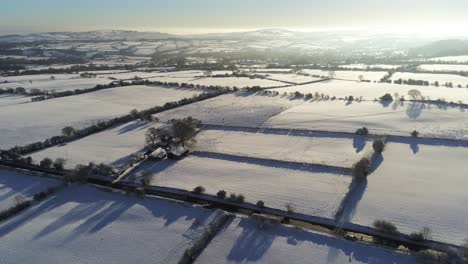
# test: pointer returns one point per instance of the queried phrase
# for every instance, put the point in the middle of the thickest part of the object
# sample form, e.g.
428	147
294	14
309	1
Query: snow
113	146
395	119
296	147
416	186
371	91
244	241
28	123
13	184
443	67
85	225
311	192
370	66
240	109
460	59
292	78
431	78
239	82
350	75
12	99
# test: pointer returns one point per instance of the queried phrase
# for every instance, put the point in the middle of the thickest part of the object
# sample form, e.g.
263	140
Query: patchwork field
239	82
245	241
349	75
15	185
432	78
317	148
395	119
28	123
105	227
239	109
292	78
113	146
371	91
310	191
419	186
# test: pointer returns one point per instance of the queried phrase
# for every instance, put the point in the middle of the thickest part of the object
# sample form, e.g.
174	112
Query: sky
205	16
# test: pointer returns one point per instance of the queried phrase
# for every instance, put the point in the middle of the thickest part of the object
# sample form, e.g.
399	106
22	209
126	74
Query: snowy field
349	75
443	67
14	184
371	91
311	192
432	78
242	240
419	186
60	84
13	99
369	66
113	146
86	225
239	82
27	123
395	119
459	59
292	78
318	148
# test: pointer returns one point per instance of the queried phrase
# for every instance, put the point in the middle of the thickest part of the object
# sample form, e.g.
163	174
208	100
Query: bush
59	164
260	204
221	194
46	163
385	227
361	169
199	190
422	235
378	145
362	131
386	97
415	134
237	198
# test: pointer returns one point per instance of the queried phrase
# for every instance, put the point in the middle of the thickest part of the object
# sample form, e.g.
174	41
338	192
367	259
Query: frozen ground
443	67
394	119
292	78
460	59
318	148
244	241
239	82
371	91
349	75
239	109
419	186
370	66
113	146
13	184
12	99
27	123
85	225
441	78
58	84
310	191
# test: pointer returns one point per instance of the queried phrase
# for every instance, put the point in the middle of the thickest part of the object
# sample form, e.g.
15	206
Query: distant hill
451	47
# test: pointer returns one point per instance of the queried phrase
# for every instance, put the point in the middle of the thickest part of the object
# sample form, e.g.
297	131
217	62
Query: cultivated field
308	190
27	123
416	186
394	119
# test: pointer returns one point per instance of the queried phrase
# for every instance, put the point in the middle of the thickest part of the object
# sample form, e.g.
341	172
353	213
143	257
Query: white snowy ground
13	184
58	85
239	82
238	109
319	148
461	59
441	78
12	99
419	186
395	119
349	75
292	78
81	224
113	146
371	91
27	123
370	66
443	67
311	192
243	240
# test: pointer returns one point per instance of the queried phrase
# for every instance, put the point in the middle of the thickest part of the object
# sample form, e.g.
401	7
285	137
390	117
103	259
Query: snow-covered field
432	78
238	109
349	75
395	119
460	59
239	82
244	241
12	99
369	66
14	184
371	91
315	148
419	186
310	192
27	123
81	224
292	78
443	67
113	146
